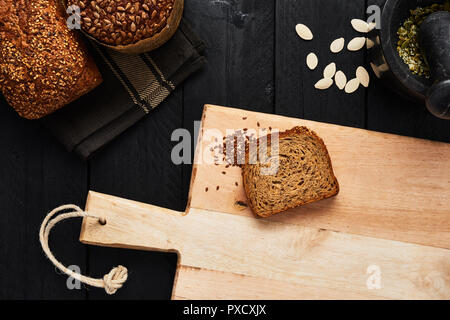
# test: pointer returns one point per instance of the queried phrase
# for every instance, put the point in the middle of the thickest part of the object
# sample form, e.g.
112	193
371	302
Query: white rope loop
111	282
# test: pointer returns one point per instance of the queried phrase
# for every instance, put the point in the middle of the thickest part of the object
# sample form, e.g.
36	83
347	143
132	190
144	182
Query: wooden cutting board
386	235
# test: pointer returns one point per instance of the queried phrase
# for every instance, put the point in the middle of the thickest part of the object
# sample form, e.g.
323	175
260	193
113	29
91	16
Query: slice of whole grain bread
304	174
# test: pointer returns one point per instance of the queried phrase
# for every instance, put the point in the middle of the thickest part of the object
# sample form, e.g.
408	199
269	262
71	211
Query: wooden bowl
151	43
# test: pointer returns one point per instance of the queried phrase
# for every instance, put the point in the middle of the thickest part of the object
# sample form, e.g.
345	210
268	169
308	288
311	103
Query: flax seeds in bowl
129	26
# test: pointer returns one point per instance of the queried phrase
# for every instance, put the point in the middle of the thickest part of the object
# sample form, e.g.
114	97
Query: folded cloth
133	85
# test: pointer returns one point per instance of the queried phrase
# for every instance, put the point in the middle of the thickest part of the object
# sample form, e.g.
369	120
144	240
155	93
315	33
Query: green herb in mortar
408	34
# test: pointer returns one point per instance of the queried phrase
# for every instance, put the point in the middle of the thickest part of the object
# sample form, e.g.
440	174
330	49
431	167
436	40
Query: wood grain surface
391	187
222	246
244	250
256	62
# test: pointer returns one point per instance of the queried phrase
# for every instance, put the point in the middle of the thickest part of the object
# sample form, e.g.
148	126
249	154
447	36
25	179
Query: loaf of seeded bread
43	64
304	173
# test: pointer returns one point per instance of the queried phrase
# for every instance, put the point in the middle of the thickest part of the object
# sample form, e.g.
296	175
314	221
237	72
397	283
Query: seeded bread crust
251	177
43	65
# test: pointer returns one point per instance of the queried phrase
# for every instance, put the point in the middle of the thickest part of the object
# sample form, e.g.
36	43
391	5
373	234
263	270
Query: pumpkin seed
372	26
303	32
337	45
363	76
356	44
369	44
376	70
383	67
340	79
323	84
329	70
352	86
312	61
360	25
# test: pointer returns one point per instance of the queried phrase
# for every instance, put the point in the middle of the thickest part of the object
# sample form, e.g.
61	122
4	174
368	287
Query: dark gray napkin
132	86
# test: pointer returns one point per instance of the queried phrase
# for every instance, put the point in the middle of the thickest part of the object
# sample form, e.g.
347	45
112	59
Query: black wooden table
255	61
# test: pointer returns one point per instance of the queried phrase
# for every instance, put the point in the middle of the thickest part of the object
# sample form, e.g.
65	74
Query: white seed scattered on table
352	86
375	70
369	44
340	79
360	25
363	76
337	45
329	71
372	26
323	84
312	61
356	44
303	32
383	67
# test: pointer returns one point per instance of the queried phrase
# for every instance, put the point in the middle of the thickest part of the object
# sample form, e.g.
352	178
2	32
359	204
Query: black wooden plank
37	174
249	54
209	20
295	92
388	112
239	47
150	274
138	166
239	37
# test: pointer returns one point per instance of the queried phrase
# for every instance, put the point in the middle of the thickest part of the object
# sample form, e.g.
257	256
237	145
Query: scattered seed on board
356	44
337	45
340	79
363	76
312	61
352	86
329	70
369	44
303	32
323	84
372	26
360	25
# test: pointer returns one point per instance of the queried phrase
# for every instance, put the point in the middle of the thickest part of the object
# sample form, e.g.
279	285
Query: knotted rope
111	282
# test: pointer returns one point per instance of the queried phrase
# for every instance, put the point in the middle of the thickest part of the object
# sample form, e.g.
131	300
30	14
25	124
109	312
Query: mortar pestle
435	42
